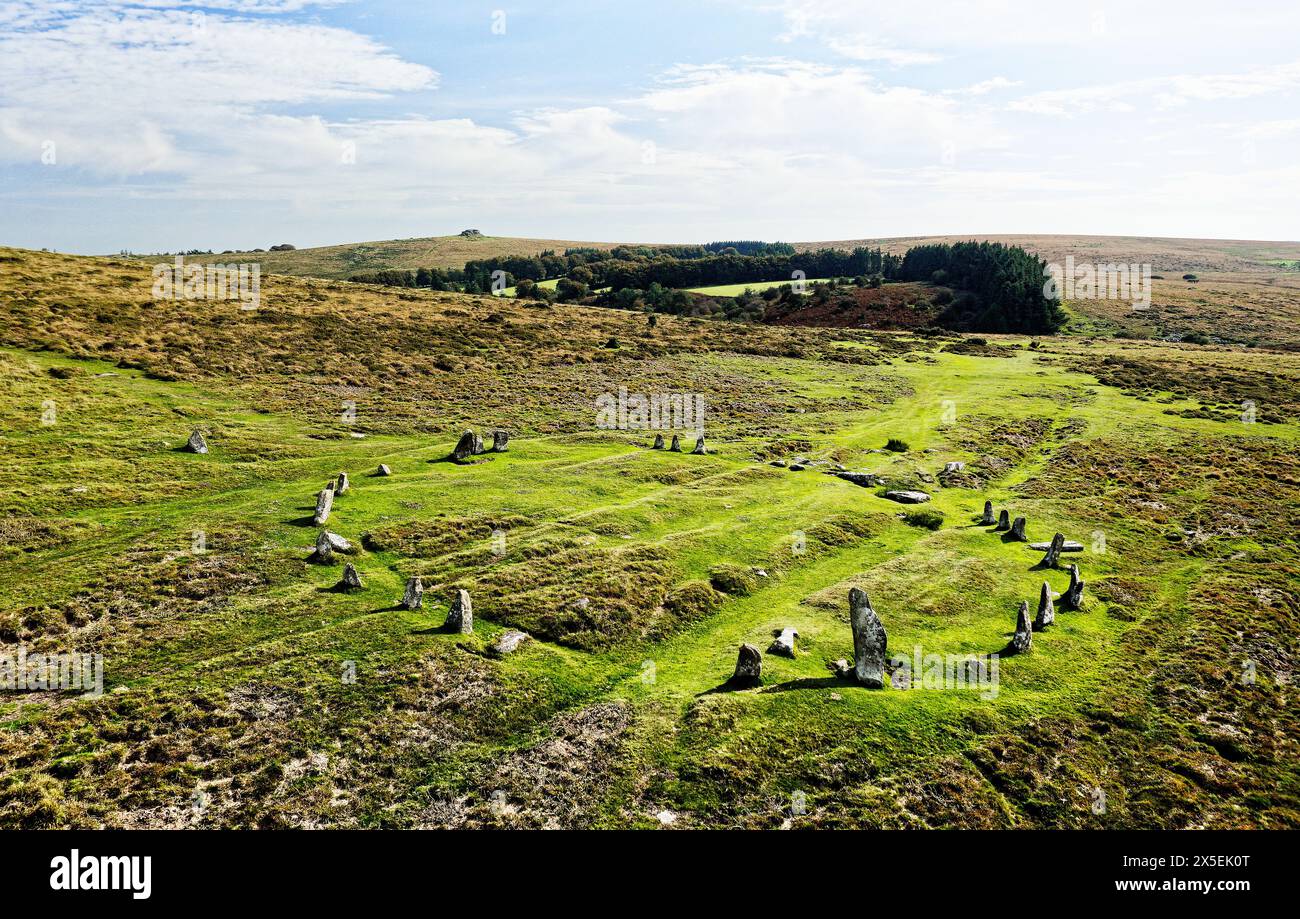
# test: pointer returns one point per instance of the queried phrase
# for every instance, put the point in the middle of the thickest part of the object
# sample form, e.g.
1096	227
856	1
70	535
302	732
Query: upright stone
659	442
699	447
676	446
324	554
1018	530
324	503
413	598
478	445
1046	611
351	580
1023	640
196	443
1053	557
1073	596
464	447
460	618
500	441
869	640
988	519
1004	521
343	484
784	643
749	668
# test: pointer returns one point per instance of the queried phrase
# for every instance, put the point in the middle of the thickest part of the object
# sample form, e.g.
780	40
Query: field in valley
1165	702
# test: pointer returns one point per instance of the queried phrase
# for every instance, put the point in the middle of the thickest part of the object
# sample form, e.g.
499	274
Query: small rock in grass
196	443
749	668
383	470
509	642
784	643
908	497
351	580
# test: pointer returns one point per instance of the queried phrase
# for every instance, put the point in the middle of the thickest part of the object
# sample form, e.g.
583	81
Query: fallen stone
1073	596
1023	640
508	643
468	445
343	484
700	449
413	597
460	618
383	470
864	479
1053	557
869	641
659	442
1017	533
749	668
1067	546
324	554
784	643
676	446
797	467
324	503
500	441
196	443
949	468
351	580
338	543
1004	521
1046	611
908	497
841	668
988	519
779	464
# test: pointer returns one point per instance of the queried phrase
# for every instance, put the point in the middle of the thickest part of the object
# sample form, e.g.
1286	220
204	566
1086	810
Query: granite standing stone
324	504
1023	640
1018	530
460	618
1004	521
749	668
988	519
869	640
1046	611
196	443
1073	597
413	598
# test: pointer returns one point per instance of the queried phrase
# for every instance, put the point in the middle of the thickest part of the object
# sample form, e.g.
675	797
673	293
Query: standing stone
465	447
324	503
324	554
869	640
659	442
413	598
1053	557
1023	640
1017	533
500	441
383	470
699	447
342	485
1046	611
1004	521
478	445
1073	598
988	520
196	443
676	446
351	580
784	643
749	668
460	618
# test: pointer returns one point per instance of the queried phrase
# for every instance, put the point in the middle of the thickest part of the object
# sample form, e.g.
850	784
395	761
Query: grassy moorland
637	572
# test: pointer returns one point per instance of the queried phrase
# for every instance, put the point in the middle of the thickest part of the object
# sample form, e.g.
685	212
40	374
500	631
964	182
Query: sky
155	126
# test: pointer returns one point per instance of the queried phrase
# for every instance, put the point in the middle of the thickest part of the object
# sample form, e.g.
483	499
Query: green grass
732	290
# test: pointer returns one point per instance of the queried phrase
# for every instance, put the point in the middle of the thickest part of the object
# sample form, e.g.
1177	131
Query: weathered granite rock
413	597
784	643
460	618
383	470
324	554
1053	557
1073	596
337	542
864	479
324	504
779	464
196	443
988	519
659	442
749	668
1017	533
908	497
700	449
676	445
351	580
869	640
508	643
1004	521
841	668
949	468
797	467
1023	640
500	441
468	445
343	484
1046	611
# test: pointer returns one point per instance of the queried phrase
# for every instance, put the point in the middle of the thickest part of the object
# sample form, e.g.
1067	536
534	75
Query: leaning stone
659	442
1004	521
1073	597
869	640
384	470
1053	557
676	446
465	447
413	598
508	643
700	449
196	443
1046	611
351	580
324	554
784	643
988	519
1017	533
908	497
500	441
460	618
324	503
343	485
1023	640
749	668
